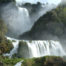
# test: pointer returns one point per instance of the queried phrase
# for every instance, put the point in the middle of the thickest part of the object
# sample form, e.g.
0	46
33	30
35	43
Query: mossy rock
23	50
5	46
42	61
45	61
5	61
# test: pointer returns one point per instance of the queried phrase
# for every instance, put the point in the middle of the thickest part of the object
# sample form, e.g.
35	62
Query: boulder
23	50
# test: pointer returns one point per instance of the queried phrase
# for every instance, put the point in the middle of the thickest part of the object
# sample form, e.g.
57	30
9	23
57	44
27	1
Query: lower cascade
30	49
43	48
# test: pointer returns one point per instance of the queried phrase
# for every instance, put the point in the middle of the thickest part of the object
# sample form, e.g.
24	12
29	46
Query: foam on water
39	48
44	48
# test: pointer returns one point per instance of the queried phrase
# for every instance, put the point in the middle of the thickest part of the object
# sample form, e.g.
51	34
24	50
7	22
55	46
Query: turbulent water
19	20
14	50
43	48
38	48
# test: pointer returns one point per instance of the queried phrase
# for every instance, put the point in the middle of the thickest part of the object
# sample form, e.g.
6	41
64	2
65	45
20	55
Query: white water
14	50
39	48
18	19
19	63
44	48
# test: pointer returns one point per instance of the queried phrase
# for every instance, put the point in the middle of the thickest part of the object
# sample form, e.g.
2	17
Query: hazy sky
42	1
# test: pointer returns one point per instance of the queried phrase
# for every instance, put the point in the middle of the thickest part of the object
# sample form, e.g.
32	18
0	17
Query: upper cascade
20	18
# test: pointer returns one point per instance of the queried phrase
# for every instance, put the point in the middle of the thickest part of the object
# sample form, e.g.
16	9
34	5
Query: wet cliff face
23	50
50	26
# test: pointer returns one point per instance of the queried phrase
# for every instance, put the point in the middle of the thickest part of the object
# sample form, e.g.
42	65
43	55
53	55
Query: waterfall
14	50
18	18
47	47
38	48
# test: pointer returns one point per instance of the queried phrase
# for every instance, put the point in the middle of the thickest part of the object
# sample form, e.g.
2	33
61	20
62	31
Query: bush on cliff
5	45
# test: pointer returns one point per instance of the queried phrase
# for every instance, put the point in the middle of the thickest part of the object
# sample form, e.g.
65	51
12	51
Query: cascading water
14	50
37	48
19	20
43	48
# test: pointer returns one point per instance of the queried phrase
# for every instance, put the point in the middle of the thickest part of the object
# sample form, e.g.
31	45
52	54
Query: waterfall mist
20	19
17	19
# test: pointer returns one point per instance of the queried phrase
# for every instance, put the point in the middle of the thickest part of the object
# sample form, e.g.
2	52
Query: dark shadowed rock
1	64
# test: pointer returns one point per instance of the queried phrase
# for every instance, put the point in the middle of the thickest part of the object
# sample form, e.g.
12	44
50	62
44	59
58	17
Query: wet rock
23	50
55	28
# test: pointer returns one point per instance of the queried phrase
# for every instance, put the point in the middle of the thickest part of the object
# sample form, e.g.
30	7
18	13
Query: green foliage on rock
23	50
44	61
51	23
5	61
5	45
3	29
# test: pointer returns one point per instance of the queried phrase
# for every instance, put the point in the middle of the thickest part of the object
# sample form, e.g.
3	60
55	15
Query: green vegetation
5	45
60	14
44	61
56	15
5	61
3	29
53	22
